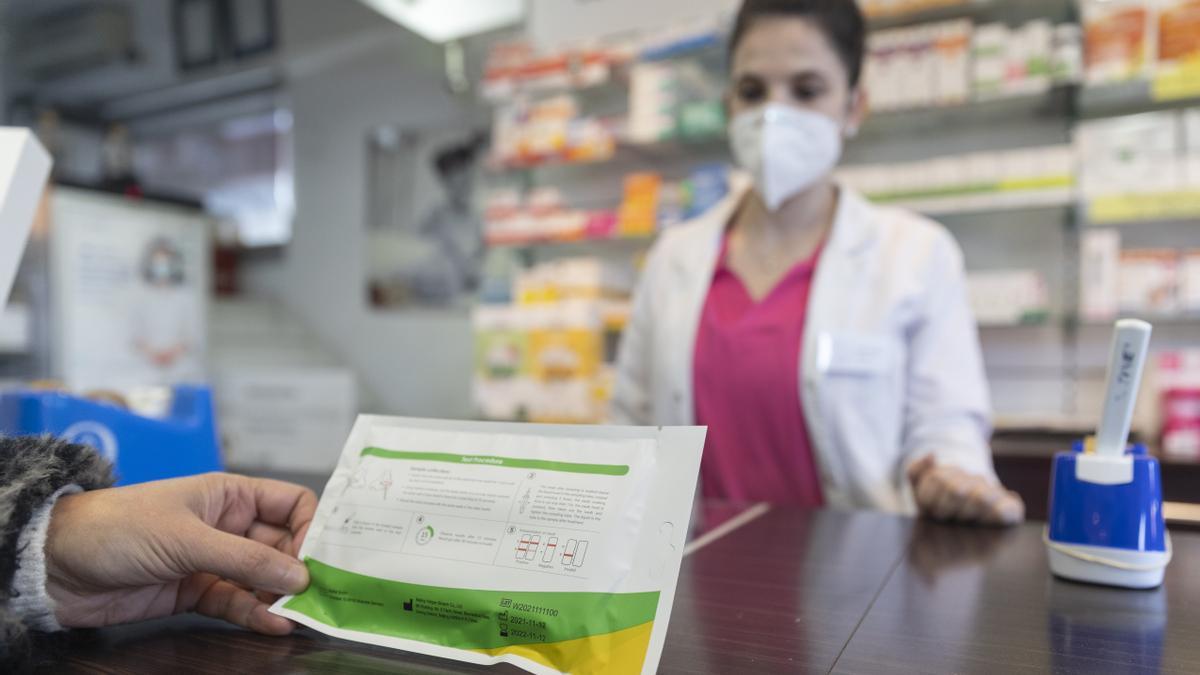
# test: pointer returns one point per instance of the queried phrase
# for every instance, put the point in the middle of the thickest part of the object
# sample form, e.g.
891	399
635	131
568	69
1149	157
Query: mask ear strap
851	130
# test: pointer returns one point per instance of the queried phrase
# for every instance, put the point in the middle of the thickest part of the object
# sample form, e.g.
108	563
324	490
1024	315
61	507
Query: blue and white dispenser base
1106	520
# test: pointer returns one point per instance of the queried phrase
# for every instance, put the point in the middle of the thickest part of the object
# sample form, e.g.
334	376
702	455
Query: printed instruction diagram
475	509
571	555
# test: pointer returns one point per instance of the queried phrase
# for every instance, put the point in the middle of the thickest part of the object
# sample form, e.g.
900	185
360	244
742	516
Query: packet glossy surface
553	548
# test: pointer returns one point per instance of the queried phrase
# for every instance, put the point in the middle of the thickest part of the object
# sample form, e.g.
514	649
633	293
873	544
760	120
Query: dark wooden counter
782	593
977	601
794	591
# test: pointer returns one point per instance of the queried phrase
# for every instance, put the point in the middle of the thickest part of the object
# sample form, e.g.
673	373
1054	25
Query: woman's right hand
948	493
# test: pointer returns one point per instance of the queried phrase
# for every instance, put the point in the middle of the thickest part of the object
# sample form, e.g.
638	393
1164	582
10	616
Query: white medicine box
1149	281
1189	282
1133	154
1100	258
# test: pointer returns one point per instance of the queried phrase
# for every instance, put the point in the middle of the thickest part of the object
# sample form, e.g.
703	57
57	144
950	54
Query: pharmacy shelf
987	203
1168	208
1189	225
980	11
615	82
1054	424
630	152
588	244
1032	213
951	10
1055	102
525	166
1021	212
708	50
1125	98
1034	320
1179	319
682	148
1035	372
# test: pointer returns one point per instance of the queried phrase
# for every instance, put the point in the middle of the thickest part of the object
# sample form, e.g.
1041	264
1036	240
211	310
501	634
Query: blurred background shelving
1021	228
1067	172
1055	102
882	16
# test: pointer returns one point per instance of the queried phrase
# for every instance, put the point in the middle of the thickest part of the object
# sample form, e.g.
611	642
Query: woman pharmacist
826	343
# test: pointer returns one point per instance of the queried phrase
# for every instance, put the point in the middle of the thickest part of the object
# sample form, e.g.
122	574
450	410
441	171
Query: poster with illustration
425	236
129	284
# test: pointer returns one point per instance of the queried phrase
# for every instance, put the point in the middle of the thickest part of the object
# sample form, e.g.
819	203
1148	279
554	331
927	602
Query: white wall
349	77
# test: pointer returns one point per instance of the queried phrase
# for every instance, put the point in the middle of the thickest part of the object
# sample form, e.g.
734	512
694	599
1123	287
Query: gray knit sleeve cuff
29	600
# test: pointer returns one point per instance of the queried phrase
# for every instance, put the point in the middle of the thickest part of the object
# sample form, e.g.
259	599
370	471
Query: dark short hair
840	21
459	155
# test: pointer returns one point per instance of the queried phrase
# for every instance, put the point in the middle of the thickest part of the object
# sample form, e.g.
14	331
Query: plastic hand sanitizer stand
1108	534
1106	519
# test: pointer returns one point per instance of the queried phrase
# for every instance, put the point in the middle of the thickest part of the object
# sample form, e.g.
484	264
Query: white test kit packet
552	548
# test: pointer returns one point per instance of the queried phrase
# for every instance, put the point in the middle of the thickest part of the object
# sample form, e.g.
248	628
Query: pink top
747	382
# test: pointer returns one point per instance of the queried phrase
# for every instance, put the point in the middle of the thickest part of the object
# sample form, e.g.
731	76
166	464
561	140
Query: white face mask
161	270
786	149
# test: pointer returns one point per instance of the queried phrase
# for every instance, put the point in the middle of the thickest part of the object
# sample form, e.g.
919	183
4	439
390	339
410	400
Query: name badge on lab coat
851	354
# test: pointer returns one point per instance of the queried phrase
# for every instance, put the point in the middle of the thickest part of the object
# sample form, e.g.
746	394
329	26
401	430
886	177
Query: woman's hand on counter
948	493
221	545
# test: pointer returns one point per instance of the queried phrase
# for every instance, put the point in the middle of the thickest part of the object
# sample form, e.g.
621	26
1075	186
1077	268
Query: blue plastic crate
142	449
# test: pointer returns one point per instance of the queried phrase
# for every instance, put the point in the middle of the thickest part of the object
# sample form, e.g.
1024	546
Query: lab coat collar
854	226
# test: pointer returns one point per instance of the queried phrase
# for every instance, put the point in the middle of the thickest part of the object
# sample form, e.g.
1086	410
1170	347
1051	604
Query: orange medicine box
639	206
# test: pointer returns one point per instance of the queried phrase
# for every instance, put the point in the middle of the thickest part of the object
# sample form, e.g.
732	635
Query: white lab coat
890	363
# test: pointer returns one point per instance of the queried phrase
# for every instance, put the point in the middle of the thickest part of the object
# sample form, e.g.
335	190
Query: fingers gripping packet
552	548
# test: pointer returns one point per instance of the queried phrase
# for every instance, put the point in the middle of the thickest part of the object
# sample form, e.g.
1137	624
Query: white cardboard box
1190	119
1007	297
989	57
1100	254
1132	154
287	419
1149	281
1189	282
954	64
1115	61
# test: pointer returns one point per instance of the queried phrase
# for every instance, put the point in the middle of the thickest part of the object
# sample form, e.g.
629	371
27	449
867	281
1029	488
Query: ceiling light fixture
444	20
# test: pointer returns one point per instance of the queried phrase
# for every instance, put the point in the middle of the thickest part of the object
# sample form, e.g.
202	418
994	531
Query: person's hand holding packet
221	545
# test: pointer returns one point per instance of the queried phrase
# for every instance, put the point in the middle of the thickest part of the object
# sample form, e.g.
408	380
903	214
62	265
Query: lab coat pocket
860	384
